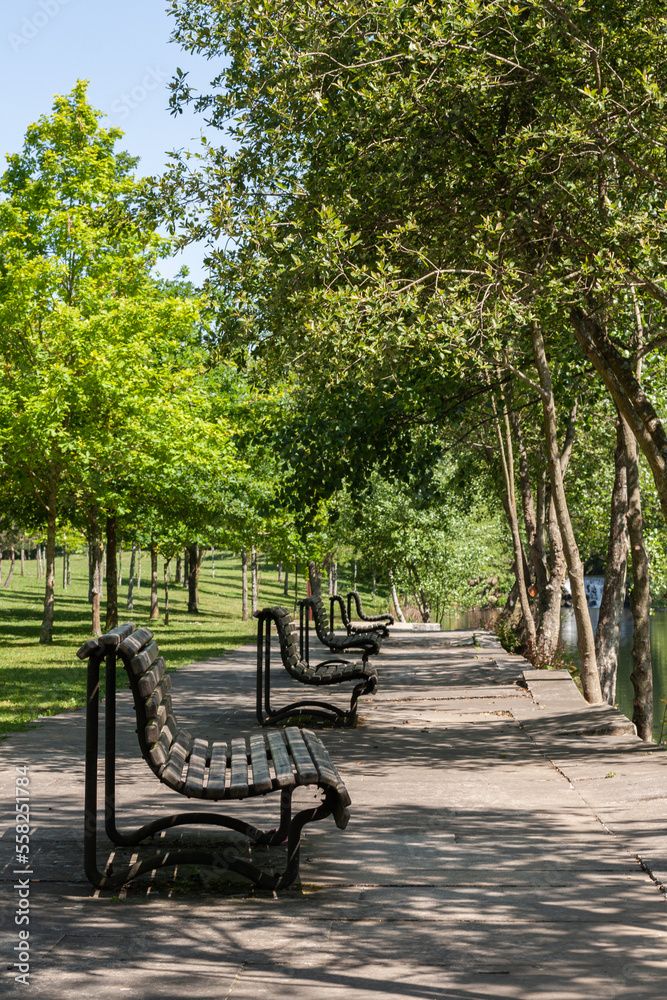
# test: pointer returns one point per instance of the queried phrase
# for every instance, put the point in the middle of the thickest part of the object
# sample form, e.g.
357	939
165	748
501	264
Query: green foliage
508	634
415	186
445	547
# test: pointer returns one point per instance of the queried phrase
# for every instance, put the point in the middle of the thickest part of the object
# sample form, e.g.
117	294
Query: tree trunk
640	598
541	523
46	628
621	376
530	515
315	577
130	582
550	602
12	558
112	573
286	582
419	594
90	569
65	564
507	464
244	585
426	607
585	639
279	567
166	591
608	630
394	597
193	567
99	570
178	576
22	560
155	609
335	580
95	562
490	456
374	590
253	573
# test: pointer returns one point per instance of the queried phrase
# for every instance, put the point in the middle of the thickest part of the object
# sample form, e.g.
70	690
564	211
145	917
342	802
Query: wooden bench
368	644
378	624
233	769
353	595
326	673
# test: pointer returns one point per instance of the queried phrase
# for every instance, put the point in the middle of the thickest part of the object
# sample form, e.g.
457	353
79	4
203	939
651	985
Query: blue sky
123	48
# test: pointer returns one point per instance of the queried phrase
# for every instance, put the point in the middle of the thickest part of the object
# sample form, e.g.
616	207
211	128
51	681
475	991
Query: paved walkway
506	841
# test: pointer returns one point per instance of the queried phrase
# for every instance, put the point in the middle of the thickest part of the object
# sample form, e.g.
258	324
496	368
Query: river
474	619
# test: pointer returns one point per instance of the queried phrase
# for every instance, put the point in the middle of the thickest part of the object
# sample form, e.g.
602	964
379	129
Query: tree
70	241
483	180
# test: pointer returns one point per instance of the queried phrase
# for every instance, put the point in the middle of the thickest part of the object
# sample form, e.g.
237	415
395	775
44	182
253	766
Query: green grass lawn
43	680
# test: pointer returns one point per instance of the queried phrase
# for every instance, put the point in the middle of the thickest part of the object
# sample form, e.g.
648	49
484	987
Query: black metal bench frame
378	624
354	595
306	673
289	828
367	643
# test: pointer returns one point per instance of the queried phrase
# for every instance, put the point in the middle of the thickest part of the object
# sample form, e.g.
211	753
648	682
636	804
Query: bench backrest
354	596
344	617
150	685
319	617
288	631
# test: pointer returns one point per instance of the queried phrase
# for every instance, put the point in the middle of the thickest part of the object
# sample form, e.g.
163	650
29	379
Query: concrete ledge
413	626
570	713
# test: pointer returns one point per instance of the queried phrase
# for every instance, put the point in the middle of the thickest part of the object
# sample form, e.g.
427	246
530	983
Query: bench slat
326	769
261	775
238	788
160	751
116	635
152	678
159	695
306	770
154	727
130	646
179	753
194	783
143	660
88	647
217	771
282	764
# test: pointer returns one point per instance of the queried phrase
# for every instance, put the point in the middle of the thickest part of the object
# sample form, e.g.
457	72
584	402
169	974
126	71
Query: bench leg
289	829
318	709
294	840
365	687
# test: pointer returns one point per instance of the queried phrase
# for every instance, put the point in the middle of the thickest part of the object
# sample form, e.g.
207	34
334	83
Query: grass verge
40	680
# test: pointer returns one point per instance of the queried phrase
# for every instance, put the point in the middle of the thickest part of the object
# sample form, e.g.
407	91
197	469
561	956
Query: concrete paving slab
385	981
